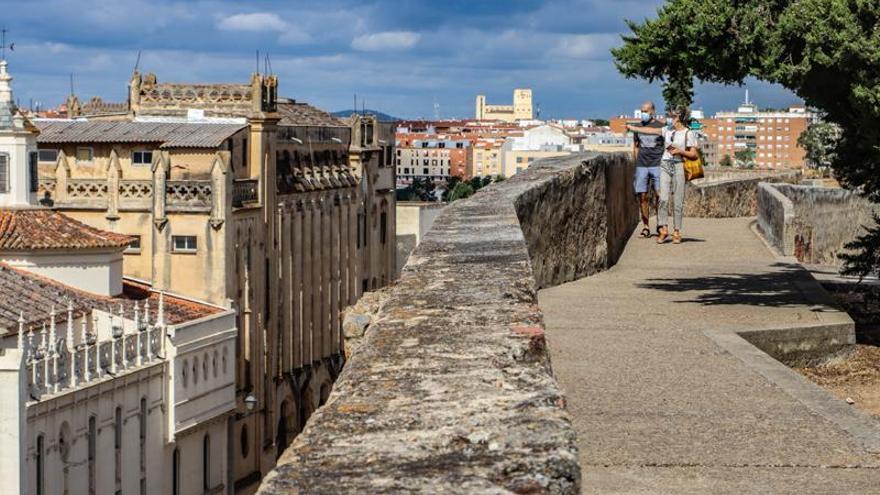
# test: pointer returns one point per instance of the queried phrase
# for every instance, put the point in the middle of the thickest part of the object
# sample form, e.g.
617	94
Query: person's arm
636	145
688	153
657	131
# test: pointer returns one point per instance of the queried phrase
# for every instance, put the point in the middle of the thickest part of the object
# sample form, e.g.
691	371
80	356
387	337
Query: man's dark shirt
650	147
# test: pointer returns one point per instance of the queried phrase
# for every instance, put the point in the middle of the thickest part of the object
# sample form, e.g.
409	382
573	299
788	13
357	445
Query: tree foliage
745	158
726	161
825	51
864	261
819	142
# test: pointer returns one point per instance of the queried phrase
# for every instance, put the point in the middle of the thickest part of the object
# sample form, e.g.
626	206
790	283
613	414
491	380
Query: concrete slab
662	406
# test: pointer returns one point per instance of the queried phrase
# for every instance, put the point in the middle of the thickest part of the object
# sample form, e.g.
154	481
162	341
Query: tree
820	143
745	158
825	51
864	261
726	161
461	190
601	122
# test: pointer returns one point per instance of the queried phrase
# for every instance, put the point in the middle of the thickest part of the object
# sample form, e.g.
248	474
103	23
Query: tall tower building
480	110
18	150
522	104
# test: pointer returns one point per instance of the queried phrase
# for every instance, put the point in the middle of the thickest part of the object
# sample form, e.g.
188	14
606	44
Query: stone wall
450	388
811	223
725	194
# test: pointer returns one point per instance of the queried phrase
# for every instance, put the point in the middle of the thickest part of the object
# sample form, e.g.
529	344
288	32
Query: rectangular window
134	247
184	243
33	172
85	155
519	159
4	173
424	171
141	157
48	155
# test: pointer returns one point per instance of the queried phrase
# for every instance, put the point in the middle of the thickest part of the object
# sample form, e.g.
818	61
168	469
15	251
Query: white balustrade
109	344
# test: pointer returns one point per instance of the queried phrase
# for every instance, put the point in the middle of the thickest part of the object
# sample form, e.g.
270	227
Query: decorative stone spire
7	105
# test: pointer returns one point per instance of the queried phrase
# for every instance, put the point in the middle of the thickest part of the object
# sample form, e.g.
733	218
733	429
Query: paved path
659	407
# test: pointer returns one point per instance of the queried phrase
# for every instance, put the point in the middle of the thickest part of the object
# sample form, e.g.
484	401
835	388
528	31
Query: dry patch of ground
852	374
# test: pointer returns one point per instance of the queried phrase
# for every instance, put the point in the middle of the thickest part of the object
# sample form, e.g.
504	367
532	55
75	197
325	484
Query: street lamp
250	402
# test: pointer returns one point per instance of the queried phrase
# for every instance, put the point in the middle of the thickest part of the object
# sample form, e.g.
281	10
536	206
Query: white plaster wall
98	272
12	430
17	146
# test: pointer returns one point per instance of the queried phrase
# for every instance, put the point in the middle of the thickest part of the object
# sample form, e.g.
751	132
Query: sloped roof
46	229
295	113
168	134
32	296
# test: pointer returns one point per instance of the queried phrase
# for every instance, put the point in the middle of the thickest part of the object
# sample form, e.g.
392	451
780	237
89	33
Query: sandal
646	233
662	234
676	237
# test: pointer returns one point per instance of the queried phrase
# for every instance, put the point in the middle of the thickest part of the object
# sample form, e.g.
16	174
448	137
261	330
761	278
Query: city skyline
400	59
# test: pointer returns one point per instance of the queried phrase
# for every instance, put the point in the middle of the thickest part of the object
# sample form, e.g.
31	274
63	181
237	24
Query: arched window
142	415
206	463
41	462
175	472
4	173
93	452
117	444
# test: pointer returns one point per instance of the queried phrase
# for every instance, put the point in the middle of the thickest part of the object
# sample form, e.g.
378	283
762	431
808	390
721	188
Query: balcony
245	191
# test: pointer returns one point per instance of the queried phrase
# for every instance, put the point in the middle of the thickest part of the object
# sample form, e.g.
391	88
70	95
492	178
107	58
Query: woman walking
681	144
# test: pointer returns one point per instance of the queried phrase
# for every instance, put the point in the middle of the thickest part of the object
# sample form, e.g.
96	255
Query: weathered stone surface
811	223
729	194
451	389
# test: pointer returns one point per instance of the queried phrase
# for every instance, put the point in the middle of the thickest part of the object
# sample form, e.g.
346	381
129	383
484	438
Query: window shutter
4	173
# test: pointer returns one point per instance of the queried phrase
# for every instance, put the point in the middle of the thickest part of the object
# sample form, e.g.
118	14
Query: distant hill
383	117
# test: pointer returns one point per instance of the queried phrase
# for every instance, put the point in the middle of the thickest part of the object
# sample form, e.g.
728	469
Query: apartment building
771	136
434	157
543	141
246	200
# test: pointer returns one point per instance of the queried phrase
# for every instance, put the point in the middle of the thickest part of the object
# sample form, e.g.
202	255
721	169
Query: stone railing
89	347
245	191
811	223
726	194
188	194
450	389
87	189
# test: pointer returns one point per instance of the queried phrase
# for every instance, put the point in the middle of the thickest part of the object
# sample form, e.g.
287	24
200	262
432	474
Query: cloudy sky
401	56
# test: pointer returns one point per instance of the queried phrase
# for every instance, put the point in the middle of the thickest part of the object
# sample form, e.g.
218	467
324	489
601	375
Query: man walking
648	151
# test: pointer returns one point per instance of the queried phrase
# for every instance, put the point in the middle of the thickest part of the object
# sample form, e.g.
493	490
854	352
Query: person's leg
654	176
643	207
678	205
640	185
663	206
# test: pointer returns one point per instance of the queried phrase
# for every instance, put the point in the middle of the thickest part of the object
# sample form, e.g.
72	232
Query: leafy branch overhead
825	51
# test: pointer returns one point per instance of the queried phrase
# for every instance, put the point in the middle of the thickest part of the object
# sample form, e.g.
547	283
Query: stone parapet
728	194
811	223
450	388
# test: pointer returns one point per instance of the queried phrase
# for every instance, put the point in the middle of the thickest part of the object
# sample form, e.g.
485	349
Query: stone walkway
659	406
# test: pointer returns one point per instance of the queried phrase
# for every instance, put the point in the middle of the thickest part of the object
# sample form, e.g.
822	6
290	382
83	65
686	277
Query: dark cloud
401	55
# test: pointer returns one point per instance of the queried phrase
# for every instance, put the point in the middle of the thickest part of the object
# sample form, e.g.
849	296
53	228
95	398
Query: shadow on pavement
768	289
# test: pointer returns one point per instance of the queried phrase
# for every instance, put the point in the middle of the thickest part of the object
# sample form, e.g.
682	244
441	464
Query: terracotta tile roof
48	229
294	113
33	297
166	134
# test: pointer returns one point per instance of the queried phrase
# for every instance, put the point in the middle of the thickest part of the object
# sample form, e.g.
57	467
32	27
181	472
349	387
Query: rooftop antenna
269	63
258	61
355	107
71	84
3	46
137	63
538	111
